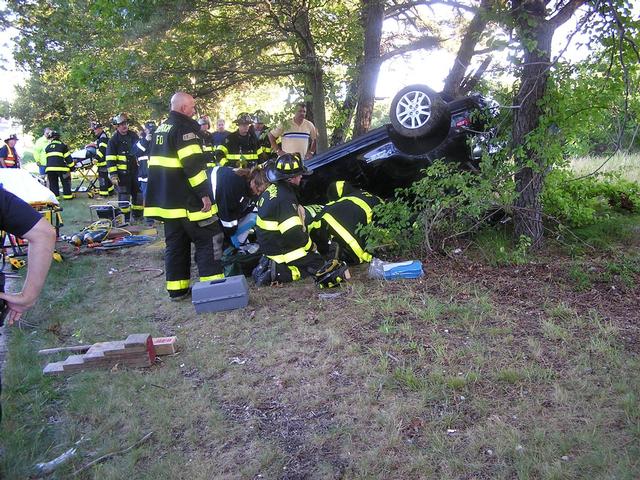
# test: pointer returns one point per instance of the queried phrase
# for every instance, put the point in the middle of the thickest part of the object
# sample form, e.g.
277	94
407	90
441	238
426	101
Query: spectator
38	151
8	156
298	135
178	195
18	218
220	134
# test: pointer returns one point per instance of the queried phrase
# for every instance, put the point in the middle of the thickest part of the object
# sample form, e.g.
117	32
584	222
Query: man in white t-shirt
298	135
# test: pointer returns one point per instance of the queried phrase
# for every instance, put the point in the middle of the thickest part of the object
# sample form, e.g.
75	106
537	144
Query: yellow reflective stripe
189	150
112	169
198	179
270	225
166	162
56	169
169	213
238	156
211	164
348	238
67	197
111	157
295	273
68	154
223	149
137	207
55	154
291	256
207	148
121	158
314	225
197	216
122	167
361	203
340	187
290	223
273	226
177	284
218	276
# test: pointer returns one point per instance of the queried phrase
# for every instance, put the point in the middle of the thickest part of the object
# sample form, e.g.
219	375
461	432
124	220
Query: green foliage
578	202
445	203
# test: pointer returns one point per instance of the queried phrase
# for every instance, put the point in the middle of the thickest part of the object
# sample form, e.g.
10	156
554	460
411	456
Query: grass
477	370
626	163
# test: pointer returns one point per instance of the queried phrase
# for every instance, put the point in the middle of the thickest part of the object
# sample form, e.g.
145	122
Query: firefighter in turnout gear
178	195
339	220
123	167
59	165
141	151
261	131
102	139
288	253
207	141
240	148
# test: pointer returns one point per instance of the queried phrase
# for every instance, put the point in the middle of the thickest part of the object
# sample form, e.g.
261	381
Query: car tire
417	111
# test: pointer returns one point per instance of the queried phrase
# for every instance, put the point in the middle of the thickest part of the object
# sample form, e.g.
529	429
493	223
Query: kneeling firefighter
347	210
288	252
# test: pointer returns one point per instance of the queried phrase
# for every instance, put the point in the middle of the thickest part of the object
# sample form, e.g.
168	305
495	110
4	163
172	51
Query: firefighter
261	132
178	195
141	152
235	192
8	156
339	221
123	167
102	139
240	147
59	165
208	148
288	253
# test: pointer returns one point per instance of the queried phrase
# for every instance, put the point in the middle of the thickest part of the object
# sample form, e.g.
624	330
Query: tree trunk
372	18
535	35
345	113
453	82
314	76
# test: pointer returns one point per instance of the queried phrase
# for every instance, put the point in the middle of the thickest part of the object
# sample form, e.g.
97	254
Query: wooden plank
75	348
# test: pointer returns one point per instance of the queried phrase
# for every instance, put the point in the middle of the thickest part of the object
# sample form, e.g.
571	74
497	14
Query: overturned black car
424	127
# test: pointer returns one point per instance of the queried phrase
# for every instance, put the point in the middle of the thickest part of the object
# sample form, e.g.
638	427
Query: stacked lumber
136	351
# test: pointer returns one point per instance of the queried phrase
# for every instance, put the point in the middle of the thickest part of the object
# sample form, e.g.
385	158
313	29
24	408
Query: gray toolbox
218	295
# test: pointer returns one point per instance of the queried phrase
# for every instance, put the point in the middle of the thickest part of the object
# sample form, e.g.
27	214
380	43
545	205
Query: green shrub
578	202
445	203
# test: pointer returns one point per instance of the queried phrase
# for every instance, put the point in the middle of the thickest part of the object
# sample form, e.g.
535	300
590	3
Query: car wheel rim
413	109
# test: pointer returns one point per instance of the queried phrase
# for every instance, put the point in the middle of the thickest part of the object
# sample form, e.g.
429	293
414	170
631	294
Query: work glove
114	179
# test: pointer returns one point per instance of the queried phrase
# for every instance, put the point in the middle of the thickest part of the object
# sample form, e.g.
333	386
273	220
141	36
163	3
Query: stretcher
86	171
27	187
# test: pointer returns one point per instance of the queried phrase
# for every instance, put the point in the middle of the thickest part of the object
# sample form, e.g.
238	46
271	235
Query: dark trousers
65	178
179	235
129	191
106	187
298	269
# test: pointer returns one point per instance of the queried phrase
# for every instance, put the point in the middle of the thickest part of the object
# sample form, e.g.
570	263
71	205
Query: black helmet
150	125
259	116
339	189
95	125
331	274
13	136
204	120
287	165
244	119
120	118
53	135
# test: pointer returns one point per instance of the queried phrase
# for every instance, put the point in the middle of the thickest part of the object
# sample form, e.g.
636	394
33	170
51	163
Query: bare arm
274	145
42	240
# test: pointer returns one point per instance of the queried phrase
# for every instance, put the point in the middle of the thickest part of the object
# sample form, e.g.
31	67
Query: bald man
178	195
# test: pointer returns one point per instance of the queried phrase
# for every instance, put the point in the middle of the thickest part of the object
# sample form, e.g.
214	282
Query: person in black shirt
20	219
